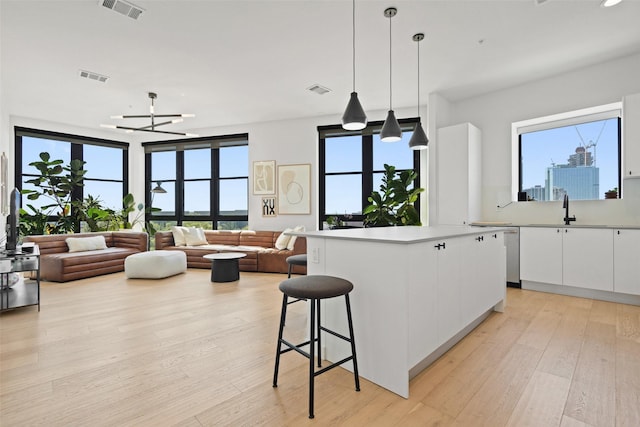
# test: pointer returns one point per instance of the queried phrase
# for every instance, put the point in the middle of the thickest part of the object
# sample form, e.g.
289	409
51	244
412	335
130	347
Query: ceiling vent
320	90
93	76
123	7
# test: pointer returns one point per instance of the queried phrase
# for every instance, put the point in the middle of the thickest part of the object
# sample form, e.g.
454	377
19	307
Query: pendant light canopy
354	117
419	140
391	131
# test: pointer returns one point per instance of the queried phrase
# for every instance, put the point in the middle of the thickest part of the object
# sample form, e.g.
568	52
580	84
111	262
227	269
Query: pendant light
391	131
354	117
419	140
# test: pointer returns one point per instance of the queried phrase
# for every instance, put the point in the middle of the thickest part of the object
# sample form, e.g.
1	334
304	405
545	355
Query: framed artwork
269	206
264	177
294	189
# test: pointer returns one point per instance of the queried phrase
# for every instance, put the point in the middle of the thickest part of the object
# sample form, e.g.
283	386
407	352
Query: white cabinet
466	290
626	249
631	135
587	258
541	254
458	175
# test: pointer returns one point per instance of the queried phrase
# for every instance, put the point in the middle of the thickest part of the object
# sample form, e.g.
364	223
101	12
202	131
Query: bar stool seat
296	260
315	288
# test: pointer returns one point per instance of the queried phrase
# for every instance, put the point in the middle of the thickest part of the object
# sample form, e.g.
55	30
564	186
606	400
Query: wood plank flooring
186	352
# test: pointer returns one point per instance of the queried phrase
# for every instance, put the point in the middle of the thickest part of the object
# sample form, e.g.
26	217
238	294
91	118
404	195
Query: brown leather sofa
57	264
258	245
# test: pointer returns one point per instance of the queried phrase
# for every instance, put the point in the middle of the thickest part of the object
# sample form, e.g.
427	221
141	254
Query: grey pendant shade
391	131
354	117
419	140
158	189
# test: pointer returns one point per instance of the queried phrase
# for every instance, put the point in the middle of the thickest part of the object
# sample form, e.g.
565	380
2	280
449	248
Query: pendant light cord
353	27
418	78
390	80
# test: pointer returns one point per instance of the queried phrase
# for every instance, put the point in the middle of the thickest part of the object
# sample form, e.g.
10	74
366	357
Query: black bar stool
315	288
296	260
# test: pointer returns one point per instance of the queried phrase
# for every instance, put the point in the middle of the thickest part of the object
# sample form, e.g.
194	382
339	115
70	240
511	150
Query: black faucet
565	206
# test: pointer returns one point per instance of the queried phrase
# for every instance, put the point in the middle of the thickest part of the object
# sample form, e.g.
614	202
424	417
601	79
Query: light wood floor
183	351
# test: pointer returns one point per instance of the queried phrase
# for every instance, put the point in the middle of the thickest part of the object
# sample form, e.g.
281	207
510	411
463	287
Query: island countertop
401	235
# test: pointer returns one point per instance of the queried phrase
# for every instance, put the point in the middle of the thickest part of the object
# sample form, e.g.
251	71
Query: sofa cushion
292	239
81	244
283	239
178	235
194	236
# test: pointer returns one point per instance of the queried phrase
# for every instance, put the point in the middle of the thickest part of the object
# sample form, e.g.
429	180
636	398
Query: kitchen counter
508	224
417	291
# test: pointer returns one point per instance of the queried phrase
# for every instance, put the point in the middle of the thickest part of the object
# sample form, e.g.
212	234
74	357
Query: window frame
215	144
77	143
569	118
367	173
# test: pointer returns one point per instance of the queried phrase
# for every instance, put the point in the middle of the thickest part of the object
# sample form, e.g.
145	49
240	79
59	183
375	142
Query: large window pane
233	225
395	154
343	154
197	198
343	194
234	161
580	160
166	202
102	162
233	196
163	165
197	164
32	147
109	193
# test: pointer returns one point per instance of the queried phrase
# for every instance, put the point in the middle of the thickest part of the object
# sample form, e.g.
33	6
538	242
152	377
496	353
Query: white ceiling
233	62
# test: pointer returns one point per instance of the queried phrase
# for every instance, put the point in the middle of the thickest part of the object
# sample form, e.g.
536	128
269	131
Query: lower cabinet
587	258
626	273
465	291
603	259
541	254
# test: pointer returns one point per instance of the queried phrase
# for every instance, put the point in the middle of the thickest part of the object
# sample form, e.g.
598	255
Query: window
352	166
205	182
577	154
106	164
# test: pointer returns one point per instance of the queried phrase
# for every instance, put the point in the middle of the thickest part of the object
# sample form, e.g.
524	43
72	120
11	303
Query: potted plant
394	203
611	194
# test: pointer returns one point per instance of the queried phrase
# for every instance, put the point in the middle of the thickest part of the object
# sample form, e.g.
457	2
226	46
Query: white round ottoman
155	264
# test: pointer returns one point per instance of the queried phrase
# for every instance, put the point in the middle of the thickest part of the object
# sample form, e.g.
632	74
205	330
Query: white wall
493	113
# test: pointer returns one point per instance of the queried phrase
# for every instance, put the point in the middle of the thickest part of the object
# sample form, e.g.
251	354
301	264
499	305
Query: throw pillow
283	239
178	235
81	244
194	236
292	240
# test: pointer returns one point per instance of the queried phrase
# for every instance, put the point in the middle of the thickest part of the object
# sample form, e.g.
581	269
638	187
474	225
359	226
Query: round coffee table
224	266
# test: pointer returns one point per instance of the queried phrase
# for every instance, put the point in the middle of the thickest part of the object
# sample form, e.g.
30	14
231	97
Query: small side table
224	266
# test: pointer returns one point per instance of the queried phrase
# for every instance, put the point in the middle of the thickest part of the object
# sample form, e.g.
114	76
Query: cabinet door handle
618	231
558	230
479	238
495	236
566	231
440	246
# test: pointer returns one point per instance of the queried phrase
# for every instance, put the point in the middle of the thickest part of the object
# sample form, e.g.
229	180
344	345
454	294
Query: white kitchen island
417	291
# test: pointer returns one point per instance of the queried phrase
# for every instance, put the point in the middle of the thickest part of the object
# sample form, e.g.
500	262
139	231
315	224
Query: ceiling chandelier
175	118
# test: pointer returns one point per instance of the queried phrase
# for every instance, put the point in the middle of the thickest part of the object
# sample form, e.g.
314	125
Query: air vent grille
93	76
123	7
320	90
